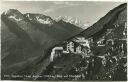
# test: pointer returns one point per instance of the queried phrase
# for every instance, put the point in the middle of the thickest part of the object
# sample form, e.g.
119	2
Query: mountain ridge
27	40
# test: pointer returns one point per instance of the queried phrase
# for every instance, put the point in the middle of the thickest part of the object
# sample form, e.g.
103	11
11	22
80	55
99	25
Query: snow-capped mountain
85	26
39	18
14	15
68	19
71	20
29	36
14	18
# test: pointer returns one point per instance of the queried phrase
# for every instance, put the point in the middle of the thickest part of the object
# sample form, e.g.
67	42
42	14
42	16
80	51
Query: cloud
60	4
48	10
72	4
68	3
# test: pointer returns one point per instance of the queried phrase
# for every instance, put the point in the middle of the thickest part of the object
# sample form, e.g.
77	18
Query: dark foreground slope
26	40
109	49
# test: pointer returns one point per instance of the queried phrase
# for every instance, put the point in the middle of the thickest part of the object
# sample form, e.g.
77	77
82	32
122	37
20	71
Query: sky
87	12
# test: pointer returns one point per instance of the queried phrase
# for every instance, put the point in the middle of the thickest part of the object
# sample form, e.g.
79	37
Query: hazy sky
87	12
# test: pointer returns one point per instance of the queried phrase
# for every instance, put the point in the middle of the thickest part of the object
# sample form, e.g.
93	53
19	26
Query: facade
70	46
56	51
78	49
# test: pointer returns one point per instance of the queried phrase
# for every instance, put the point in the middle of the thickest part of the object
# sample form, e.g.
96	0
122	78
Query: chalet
110	41
101	42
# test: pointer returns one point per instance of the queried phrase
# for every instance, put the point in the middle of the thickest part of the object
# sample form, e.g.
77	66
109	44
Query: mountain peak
72	20
13	14
68	19
11	11
39	18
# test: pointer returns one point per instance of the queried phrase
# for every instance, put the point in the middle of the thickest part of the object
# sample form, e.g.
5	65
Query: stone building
77	45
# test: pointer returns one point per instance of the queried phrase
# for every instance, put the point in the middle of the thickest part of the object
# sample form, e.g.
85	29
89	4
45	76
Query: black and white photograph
63	41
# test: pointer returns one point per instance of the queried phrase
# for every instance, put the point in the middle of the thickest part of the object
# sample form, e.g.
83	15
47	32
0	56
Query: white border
63	0
72	0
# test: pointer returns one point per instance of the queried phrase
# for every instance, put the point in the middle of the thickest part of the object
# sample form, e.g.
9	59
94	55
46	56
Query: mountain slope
25	42
108	19
114	29
109	49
